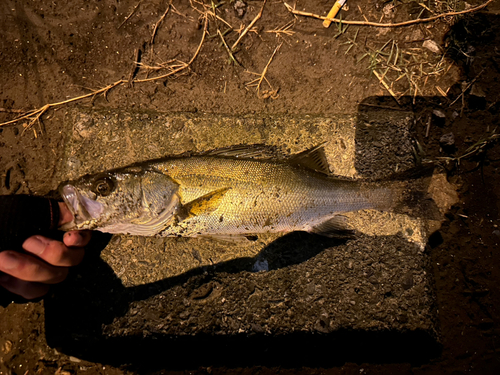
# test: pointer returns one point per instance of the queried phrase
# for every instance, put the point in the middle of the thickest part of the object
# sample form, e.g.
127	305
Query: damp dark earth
86	85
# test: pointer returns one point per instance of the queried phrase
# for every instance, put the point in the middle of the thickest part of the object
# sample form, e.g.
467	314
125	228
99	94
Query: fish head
130	200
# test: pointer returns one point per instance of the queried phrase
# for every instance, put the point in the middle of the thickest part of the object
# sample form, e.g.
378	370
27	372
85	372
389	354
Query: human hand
47	262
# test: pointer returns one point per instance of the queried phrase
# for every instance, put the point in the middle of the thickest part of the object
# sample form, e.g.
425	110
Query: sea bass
228	193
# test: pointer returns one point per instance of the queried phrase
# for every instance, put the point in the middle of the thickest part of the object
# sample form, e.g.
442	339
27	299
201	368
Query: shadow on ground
95	298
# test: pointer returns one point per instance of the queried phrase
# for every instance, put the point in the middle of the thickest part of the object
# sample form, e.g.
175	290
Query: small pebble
432	46
116	240
260	265
240	8
447	142
7	346
438	117
477	97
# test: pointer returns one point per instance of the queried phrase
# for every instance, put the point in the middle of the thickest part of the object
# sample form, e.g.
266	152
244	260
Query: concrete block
283	300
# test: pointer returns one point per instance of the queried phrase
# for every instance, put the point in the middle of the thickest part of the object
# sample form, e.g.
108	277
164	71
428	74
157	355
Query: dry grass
405	71
257	82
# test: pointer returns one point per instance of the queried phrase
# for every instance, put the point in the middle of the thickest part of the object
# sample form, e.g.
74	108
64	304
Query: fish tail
411	193
417	193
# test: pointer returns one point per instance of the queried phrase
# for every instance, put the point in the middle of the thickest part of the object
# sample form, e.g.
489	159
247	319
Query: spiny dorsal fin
256	151
313	158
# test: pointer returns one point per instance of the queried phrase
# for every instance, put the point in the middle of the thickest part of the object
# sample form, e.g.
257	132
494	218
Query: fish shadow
96	296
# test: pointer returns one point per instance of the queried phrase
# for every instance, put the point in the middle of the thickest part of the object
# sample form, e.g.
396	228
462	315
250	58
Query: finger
29	268
65	215
25	289
77	238
53	252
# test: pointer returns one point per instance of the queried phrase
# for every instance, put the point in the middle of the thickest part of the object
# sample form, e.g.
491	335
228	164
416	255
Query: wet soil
51	51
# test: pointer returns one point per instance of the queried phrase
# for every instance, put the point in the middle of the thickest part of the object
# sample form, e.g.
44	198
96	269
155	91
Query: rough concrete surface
177	293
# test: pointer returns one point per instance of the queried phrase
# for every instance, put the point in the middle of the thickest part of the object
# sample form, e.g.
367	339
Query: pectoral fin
202	205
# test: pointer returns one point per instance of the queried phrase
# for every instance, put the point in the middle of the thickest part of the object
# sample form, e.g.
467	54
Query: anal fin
335	227
240	239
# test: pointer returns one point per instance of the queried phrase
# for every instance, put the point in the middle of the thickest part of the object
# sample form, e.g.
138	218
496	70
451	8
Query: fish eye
104	186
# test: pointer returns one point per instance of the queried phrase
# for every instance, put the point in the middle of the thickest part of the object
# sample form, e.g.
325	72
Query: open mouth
82	207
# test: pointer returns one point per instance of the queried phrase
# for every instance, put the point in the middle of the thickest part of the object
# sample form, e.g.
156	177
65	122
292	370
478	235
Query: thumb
65	215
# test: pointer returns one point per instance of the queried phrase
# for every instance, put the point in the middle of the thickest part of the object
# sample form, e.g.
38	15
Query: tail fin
412	193
412	203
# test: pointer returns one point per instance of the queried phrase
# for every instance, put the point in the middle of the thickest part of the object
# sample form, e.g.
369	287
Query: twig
258	82
361	11
382	81
249	26
182	67
131	13
219	18
285	29
164	65
376	24
468	86
441	91
35	114
231	56
159	21
134	67
476	148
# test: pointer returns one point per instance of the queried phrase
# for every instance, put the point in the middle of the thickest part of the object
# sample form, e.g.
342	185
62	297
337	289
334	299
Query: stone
447	142
240	8
438	117
432	46
477	98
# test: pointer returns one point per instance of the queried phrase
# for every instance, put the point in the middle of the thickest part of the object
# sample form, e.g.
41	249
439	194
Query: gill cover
129	200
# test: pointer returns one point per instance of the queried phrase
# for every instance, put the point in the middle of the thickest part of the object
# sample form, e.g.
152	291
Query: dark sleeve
22	216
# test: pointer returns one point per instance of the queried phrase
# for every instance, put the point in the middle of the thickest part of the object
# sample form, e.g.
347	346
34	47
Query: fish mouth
84	208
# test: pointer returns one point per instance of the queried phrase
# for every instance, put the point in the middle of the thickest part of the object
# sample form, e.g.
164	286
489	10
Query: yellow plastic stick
333	12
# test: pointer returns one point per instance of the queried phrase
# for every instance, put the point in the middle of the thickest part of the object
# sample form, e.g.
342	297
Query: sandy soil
52	51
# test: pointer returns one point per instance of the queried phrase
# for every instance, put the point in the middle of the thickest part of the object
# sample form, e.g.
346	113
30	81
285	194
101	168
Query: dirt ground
51	51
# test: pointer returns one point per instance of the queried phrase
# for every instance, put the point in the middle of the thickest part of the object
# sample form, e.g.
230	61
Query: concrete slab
300	292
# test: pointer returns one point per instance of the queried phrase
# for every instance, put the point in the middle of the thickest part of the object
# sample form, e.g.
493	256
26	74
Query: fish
231	193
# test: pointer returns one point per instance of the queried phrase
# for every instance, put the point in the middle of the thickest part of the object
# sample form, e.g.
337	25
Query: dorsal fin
313	158
255	151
